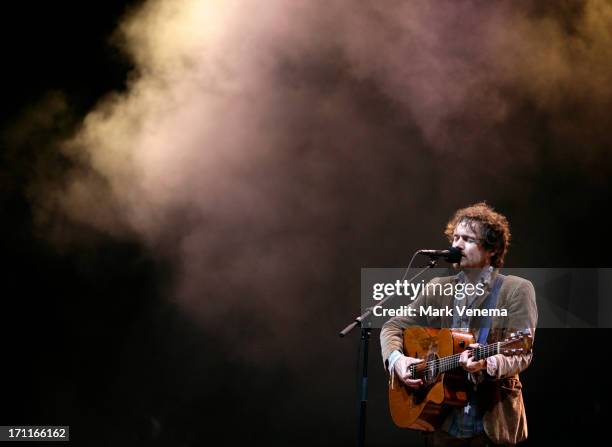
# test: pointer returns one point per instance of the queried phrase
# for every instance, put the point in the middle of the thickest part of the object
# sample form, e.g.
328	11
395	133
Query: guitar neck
517	343
444	364
452	361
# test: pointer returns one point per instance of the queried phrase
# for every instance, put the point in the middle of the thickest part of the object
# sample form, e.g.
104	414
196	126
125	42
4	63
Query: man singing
494	413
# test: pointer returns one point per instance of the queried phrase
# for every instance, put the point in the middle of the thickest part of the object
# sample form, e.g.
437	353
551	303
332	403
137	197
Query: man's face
467	238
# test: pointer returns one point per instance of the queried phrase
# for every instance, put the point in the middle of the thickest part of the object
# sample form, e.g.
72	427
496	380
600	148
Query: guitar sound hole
430	374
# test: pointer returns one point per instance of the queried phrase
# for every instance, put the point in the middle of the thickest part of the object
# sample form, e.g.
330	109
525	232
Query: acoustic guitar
444	381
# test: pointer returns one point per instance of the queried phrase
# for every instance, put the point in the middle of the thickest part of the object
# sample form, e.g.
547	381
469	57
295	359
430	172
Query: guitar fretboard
444	364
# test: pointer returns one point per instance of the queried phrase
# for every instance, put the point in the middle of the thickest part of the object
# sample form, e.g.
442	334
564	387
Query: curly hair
494	229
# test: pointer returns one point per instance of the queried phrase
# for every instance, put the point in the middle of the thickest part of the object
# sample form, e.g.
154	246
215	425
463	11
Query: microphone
451	255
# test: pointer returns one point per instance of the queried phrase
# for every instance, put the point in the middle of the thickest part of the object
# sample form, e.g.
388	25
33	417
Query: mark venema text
432	311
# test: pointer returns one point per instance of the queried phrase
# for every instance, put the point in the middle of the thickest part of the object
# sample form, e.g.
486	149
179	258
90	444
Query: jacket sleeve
522	315
392	332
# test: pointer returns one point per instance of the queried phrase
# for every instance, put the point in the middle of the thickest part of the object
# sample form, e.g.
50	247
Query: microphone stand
366	328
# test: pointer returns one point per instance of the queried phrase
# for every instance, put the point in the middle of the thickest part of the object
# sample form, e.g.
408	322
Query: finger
413	383
473	366
473	345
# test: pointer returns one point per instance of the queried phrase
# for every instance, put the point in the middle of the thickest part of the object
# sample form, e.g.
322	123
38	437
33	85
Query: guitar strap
490	303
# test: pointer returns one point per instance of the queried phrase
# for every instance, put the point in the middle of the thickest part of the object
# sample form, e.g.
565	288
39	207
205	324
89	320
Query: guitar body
425	408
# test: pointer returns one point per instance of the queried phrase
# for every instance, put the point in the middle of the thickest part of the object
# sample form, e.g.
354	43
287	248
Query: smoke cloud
271	150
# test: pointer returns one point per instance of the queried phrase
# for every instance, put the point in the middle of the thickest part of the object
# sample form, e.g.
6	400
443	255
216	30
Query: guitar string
485	348
483	351
452	361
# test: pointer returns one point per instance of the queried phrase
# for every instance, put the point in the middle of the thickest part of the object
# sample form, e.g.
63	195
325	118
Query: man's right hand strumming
402	369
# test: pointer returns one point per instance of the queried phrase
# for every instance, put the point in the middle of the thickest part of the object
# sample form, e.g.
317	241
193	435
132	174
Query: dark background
133	370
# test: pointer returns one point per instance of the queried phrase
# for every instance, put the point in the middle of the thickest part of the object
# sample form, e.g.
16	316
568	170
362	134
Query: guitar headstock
519	342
